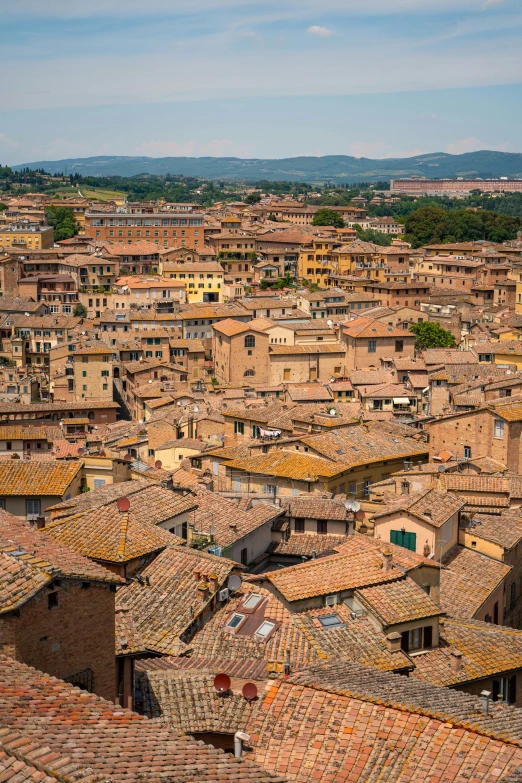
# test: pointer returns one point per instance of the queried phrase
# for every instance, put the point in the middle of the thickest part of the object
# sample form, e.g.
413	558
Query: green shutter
407	540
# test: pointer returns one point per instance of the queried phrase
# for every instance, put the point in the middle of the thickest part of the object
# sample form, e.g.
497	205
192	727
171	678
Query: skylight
330	621
252	601
235	621
264	629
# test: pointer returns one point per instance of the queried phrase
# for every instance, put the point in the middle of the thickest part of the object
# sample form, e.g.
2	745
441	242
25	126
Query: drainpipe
239	738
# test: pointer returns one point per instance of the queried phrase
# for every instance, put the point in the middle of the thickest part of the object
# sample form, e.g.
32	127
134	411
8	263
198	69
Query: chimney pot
393	640
405	487
388	559
484	698
456	660
197	575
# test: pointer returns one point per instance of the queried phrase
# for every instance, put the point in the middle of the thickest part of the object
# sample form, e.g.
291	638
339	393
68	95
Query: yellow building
32	237
203	279
316	262
503	353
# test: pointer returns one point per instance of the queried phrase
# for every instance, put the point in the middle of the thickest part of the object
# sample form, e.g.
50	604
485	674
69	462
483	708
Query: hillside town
260	495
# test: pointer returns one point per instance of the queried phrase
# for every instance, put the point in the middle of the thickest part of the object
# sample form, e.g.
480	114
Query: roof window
330	621
252	601
235	621
264	630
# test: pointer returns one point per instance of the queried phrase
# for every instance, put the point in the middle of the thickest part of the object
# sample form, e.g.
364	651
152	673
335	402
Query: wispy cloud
472	144
319	32
5	141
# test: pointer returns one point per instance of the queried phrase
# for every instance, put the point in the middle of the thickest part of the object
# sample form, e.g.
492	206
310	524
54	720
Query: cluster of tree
328	217
432	225
63	222
431	335
371	235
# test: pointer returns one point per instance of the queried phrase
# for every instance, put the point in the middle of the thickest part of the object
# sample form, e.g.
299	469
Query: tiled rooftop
430	505
468	580
27	478
397	602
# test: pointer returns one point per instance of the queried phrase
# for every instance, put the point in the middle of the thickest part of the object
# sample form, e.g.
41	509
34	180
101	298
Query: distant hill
330	168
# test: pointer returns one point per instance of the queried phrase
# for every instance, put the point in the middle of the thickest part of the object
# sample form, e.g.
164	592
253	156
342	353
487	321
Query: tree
371	235
272	217
2	206
431	335
328	217
80	311
252	198
63	222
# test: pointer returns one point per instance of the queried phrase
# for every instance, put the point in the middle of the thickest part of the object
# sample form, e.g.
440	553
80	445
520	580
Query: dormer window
330	621
235	621
252	601
264	630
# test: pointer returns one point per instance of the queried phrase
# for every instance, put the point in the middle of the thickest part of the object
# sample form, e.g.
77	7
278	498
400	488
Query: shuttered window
407	540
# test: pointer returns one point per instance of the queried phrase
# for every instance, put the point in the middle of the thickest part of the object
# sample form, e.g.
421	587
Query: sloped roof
468	581
18	477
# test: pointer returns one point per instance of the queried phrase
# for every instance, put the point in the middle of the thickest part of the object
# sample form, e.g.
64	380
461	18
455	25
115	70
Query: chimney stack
388	559
239	738
393	641
197	575
456	660
405	487
484	698
202	592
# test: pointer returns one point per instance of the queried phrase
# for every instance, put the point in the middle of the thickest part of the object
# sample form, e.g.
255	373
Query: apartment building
59	292
164	229
369	341
203	280
22	235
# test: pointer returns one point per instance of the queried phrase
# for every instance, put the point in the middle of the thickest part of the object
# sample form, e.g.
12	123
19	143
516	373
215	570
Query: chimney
419	463
456	660
202	592
287	664
239	738
197	574
232	525
40	522
405	487
406	466
214	582
388	559
393	642
484	701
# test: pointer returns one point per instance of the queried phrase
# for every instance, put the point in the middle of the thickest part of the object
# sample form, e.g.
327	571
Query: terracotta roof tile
37	478
468	580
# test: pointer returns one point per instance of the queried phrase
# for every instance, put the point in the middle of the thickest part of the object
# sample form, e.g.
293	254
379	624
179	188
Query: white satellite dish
333	412
330	323
150	381
234	583
196	409
352	505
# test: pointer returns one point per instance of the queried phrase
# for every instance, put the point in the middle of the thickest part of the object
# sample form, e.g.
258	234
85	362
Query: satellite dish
333	412
249	691
127	458
123	504
158	463
196	409
441	469
360	515
222	682
234	583
352	505
150	381
330	323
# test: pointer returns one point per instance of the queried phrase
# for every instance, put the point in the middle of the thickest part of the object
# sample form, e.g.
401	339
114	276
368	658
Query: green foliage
433	225
282	282
252	198
328	217
2	206
371	235
272	217
431	335
80	311
63	222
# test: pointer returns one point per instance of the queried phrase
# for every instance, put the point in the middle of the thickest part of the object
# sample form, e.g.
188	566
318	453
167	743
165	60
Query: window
499	428
250	341
269	489
99	483
505	689
252	601
244	556
249	373
239	428
9	445
264	630
330	621
33	508
52	600
235	621
372	346
2	503
467	452
322	526
299	526
399	346
417	639
404	539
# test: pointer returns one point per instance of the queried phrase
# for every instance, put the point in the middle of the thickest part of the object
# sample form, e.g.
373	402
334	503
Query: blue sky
251	78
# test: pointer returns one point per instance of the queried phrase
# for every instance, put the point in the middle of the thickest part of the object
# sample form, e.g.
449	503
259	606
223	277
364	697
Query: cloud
5	141
319	32
428	116
216	148
473	145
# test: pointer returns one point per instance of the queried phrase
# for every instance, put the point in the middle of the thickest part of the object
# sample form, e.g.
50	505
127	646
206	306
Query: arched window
250	341
249	373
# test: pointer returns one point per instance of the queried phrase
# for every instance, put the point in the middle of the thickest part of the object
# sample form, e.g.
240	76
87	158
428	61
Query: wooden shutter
428	636
512	693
